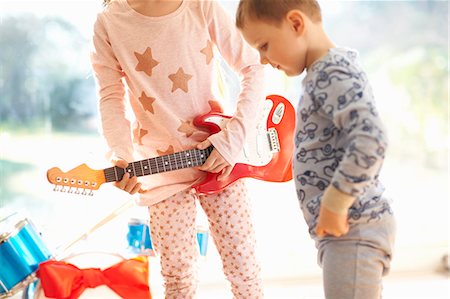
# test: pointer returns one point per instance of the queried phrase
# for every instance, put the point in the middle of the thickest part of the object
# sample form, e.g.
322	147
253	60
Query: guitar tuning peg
77	191
84	192
56	188
63	189
91	193
70	190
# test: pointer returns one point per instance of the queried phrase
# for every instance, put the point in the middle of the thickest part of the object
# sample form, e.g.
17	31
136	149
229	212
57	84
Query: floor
396	286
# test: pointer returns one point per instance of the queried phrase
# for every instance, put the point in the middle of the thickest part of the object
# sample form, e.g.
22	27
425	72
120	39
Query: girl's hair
106	2
273	11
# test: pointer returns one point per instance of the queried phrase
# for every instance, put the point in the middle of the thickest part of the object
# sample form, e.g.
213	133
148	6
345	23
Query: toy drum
140	242
138	236
202	239
83	260
21	252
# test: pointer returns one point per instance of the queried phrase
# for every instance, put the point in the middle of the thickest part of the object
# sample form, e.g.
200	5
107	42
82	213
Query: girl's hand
215	162
130	185
330	223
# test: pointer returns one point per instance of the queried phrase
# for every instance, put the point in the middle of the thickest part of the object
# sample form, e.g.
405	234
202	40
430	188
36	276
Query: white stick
102	222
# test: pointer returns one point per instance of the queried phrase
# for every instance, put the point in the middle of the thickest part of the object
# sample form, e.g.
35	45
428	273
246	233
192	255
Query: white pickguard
257	148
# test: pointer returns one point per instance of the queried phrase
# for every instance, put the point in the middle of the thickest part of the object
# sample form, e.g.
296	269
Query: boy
340	144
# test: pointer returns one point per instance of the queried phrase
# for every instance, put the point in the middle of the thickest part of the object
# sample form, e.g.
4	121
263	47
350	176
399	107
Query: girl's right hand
130	185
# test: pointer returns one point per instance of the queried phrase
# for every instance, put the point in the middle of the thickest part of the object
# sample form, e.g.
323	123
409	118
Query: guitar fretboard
180	160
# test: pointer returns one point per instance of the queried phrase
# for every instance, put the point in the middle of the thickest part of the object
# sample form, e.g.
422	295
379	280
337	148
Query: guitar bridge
274	143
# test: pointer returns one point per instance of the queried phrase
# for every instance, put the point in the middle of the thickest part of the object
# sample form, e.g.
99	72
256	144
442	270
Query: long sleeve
162	69
340	141
365	141
115	127
244	61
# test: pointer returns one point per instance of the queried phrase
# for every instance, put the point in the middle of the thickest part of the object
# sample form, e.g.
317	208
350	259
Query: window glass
48	118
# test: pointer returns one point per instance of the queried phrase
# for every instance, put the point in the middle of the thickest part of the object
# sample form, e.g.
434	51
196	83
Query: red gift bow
129	279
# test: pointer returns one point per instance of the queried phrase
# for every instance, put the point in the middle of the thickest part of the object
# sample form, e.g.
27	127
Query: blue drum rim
20	286
137	221
17	227
30	278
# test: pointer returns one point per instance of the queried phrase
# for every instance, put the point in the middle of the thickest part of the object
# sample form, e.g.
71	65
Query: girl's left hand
215	162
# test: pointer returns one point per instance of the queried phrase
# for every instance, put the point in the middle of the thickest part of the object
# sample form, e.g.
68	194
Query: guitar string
181	159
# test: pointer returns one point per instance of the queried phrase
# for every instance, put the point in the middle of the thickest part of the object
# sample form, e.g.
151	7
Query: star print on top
168	151
147	102
163	67
146	63
208	51
138	133
180	80
187	128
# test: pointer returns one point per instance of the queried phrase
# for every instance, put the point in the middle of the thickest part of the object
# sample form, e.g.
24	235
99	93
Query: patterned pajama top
339	139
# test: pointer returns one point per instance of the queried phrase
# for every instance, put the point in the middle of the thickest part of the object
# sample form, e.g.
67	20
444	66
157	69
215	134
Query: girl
159	55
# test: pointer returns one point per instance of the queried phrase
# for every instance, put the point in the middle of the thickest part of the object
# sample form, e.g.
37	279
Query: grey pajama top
339	139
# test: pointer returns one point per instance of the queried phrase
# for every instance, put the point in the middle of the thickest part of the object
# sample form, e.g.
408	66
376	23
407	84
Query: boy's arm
337	201
351	107
245	61
333	212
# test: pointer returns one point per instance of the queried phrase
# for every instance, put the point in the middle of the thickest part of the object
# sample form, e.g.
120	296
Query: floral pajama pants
173	228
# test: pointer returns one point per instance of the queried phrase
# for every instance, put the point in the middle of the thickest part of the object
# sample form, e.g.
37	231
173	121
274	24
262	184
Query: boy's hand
333	212
330	223
130	185
215	162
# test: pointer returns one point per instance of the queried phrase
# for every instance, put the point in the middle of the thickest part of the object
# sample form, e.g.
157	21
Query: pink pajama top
164	66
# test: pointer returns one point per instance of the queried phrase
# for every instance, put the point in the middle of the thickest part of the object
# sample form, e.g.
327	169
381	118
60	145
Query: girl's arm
245	62
115	127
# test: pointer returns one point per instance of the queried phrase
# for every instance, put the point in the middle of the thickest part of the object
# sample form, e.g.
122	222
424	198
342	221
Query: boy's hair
106	2
273	11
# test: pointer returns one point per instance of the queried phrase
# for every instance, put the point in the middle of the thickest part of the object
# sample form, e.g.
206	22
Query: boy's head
274	11
278	30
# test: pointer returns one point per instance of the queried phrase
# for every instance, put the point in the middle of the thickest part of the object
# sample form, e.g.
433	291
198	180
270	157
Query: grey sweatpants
354	264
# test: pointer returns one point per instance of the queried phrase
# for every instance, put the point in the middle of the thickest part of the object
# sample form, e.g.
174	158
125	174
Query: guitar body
257	160
267	155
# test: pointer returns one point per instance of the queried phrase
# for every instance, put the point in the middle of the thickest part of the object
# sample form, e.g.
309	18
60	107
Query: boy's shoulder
336	58
339	68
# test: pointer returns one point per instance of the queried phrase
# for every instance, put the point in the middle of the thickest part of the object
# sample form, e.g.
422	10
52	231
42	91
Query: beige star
146	63
187	128
208	51
138	133
147	102
180	80
168	151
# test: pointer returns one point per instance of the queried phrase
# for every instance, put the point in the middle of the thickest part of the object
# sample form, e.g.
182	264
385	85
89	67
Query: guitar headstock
77	180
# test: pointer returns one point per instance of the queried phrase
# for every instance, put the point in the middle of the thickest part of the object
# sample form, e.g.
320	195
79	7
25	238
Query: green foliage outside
45	84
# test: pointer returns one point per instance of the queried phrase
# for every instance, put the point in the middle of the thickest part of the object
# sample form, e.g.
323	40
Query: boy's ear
296	20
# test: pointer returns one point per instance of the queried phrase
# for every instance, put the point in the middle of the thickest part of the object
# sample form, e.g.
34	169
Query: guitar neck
180	160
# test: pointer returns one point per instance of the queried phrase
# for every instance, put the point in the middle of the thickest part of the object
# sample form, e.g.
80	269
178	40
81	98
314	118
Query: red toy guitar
267	155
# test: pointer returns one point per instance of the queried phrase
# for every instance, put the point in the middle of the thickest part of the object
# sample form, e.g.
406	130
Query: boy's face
280	46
